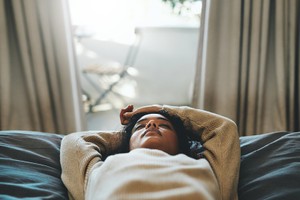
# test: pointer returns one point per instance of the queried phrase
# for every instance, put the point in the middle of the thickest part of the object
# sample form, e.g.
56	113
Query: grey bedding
270	167
29	166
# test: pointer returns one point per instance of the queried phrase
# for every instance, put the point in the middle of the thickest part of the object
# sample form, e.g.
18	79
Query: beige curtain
38	78
250	64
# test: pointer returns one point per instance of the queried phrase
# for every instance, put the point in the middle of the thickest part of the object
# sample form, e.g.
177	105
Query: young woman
151	159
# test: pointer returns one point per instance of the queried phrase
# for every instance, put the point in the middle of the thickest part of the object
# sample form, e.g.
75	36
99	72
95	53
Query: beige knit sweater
82	153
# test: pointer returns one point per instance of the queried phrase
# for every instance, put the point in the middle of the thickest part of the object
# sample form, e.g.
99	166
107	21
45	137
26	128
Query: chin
152	143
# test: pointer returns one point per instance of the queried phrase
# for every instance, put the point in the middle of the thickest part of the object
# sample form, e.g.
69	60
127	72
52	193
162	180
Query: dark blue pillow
270	167
30	166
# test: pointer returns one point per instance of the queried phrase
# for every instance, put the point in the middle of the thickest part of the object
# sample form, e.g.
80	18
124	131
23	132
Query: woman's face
154	131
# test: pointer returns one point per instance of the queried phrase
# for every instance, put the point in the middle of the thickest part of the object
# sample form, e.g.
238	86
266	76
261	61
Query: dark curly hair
182	133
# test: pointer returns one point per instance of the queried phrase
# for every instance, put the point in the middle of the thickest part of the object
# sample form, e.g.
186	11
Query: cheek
173	137
171	143
134	140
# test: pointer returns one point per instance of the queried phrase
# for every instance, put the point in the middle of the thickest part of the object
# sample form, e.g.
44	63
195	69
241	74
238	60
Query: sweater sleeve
220	140
80	152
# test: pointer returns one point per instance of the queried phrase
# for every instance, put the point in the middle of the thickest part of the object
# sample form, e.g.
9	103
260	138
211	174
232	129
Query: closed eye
139	127
165	126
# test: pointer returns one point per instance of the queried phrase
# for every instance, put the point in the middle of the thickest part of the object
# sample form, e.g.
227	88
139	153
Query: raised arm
80	152
218	136
220	140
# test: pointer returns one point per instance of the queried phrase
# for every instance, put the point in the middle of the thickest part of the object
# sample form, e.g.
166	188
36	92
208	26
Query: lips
151	132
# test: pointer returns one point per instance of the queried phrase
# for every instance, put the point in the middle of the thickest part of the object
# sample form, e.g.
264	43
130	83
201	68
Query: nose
151	124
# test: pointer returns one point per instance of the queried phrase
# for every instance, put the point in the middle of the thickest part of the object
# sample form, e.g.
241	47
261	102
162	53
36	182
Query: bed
30	167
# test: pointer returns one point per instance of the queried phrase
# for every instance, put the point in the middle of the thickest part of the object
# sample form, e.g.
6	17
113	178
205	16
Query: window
135	51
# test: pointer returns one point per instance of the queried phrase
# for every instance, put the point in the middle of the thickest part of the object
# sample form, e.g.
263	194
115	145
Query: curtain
38	78
250	64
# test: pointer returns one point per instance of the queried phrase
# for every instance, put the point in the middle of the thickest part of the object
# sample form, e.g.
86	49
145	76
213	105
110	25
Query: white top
131	176
141	170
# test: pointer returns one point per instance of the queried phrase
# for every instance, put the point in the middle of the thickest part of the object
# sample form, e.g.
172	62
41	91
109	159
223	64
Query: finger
128	115
129	108
125	119
123	114
126	109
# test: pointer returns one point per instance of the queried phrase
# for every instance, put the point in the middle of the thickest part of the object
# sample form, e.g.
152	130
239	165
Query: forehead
152	116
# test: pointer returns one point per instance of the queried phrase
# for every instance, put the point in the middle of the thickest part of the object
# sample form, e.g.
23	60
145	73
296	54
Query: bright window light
116	20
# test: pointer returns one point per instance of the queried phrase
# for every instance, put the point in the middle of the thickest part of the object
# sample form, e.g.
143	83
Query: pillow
30	166
270	167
